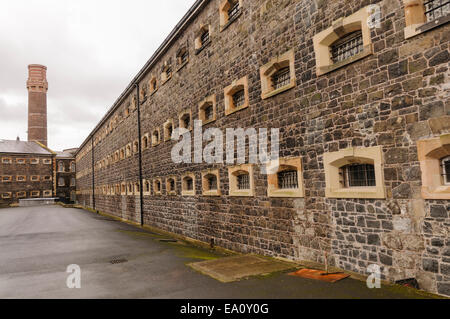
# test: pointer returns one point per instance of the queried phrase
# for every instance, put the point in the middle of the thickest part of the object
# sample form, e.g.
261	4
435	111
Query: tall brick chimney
37	103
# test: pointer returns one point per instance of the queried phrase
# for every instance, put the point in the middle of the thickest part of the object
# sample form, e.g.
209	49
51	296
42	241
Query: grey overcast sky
92	49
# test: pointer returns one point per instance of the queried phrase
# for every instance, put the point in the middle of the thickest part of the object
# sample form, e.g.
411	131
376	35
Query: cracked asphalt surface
38	243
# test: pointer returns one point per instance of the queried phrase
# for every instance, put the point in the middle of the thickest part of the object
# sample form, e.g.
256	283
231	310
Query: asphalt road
38	244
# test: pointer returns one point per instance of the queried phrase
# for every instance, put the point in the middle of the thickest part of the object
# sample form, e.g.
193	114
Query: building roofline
192	13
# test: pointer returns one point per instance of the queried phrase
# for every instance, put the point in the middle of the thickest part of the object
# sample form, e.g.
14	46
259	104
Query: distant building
30	169
26	171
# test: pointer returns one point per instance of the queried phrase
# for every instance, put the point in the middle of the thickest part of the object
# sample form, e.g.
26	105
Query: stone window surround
164	77
21	161
179	54
184	191
341	27
233	173
146	136
6	160
47	178
6	195
46	161
266	72
416	20
155	189
23	176
123	188
34	161
35	193
151	81
21	194
287	163
187	111
136	188
8	180
116	156
130	188
333	162
128	152
47	193
154	142
122	153
205	190
210	100
136	146
168	190
430	153
225	21
166	130
146	182
34	178
198	45
231	89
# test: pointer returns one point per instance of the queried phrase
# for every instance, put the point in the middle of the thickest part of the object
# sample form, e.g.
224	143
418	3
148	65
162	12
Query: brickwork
27	170
393	96
37	103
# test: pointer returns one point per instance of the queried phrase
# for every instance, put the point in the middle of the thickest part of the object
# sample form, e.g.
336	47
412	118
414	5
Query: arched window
60	167
187	185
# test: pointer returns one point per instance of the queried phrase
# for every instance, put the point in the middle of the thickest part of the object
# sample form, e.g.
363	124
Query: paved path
38	243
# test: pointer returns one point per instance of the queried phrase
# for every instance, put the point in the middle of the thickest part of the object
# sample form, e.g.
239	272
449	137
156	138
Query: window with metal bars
346	47
147	187
189	183
158	186
169	131
204	38
168	71
243	181
239	98
183	56
435	9
281	78
358	175
234	10
212	182
287	179
445	164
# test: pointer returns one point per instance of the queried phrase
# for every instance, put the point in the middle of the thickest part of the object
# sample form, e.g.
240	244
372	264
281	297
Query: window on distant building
61	182
60	167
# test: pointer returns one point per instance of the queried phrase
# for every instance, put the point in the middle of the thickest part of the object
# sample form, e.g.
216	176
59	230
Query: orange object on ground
319	275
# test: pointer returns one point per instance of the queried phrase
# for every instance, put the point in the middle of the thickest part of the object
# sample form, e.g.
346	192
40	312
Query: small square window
188	185
34	161
21	178
278	75
157	186
171	186
6	179
6	160
241	180
185	120
203	39
20	161
236	96
211	183
6	195
230	10
285	178
207	110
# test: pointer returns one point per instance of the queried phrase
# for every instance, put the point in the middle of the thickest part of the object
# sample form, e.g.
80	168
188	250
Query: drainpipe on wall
141	187
93	173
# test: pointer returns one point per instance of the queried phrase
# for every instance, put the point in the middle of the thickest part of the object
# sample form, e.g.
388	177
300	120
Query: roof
64	154
22	147
191	14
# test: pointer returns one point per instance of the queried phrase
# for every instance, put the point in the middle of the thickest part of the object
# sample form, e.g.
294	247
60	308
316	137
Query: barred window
169	71
239	98
435	9
20	161
445	163
346	47
6	160
212	182
243	181
281	78
147	186
145	142
287	179
6	178
358	175
188	183
158	186
6	195
234	10
204	37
